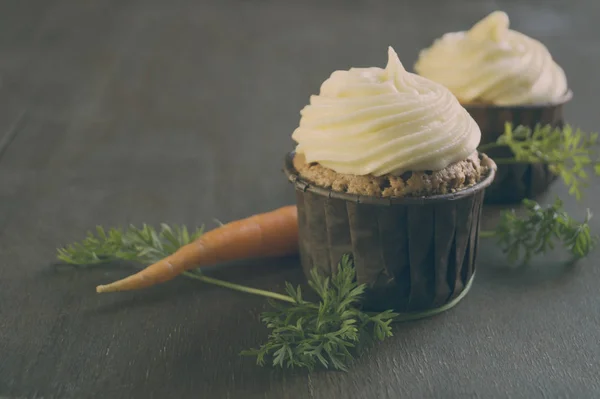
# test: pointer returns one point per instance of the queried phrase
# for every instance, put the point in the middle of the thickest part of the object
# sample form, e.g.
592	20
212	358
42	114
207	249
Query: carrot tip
102	288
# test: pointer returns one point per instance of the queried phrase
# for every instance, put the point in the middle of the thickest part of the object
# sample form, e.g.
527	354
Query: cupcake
500	75
386	169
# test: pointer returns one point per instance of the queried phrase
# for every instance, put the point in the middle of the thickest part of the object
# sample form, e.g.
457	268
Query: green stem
500	161
404	317
240	288
400	317
487	234
507	161
488	146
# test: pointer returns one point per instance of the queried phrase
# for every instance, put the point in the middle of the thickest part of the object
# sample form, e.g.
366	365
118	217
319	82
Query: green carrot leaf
568	152
144	245
538	231
324	333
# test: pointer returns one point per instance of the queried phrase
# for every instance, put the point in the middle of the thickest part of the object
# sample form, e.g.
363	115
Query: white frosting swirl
381	121
493	64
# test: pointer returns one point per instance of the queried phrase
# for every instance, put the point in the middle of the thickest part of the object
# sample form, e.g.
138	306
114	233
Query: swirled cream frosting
384	121
493	64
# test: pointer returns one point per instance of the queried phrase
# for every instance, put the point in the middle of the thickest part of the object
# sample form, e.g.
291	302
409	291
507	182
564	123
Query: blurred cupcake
386	168
500	75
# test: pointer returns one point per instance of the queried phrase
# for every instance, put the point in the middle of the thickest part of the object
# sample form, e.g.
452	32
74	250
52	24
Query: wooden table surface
129	111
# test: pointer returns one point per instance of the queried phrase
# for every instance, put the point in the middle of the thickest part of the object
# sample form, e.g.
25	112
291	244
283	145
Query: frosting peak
493	64
494	27
379	121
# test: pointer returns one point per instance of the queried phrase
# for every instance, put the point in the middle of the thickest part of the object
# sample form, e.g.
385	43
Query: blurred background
207	78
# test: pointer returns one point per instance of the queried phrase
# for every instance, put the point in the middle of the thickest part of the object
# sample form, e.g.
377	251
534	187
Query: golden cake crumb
454	177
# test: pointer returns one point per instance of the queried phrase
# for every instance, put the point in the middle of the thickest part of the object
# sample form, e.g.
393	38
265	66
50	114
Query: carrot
268	234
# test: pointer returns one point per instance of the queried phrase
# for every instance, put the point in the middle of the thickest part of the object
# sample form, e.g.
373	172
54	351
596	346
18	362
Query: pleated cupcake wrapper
515	182
414	254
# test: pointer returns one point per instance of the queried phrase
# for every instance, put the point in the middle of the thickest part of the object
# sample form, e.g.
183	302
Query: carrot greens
522	237
305	334
144	245
568	152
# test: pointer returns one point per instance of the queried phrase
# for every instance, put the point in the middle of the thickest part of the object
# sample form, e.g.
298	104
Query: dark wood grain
136	111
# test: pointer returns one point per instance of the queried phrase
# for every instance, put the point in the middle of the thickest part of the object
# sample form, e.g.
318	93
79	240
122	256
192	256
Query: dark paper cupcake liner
413	253
515	182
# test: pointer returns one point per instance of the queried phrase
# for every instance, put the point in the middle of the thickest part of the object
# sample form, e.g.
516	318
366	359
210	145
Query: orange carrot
268	234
